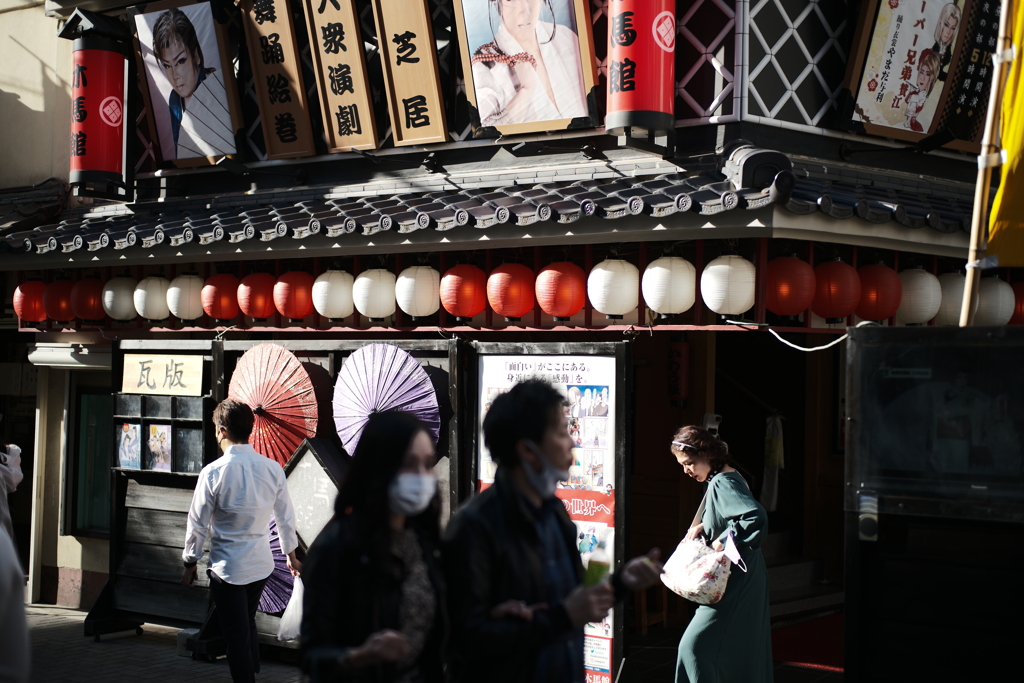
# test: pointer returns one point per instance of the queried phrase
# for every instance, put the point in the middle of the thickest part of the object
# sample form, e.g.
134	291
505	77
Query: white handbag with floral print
700	573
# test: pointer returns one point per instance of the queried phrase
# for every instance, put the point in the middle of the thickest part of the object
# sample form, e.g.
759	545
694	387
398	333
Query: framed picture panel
190	84
528	65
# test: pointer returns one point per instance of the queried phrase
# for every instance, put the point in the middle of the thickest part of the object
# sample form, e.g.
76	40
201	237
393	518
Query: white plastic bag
291	620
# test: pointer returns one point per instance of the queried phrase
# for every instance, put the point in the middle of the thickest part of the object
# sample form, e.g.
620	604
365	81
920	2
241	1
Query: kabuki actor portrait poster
188	83
529	64
924	66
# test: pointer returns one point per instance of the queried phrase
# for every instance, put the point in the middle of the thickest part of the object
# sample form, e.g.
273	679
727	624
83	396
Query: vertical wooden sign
270	33
406	40
340	65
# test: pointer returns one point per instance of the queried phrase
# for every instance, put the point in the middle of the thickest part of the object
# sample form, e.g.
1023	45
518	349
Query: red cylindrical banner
641	64
97	115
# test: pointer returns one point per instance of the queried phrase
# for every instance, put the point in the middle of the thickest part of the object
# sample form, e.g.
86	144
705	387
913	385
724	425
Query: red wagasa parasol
271	381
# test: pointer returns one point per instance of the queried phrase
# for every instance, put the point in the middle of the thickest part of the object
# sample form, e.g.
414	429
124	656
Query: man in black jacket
515	600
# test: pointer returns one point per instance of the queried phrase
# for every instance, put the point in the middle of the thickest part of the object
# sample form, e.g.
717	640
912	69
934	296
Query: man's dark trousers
236	608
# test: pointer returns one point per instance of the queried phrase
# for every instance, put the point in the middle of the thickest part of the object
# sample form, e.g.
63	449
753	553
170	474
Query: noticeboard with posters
922	66
591	377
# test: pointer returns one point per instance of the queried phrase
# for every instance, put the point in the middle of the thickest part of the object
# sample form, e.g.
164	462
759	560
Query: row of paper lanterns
833	290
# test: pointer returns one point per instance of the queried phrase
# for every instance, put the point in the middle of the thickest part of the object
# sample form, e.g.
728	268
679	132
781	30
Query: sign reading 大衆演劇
277	73
336	48
162	374
921	66
411	79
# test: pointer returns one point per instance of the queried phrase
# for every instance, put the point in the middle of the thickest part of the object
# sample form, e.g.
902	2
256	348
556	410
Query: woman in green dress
730	641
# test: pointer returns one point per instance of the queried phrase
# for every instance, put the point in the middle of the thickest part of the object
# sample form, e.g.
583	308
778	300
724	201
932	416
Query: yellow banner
1006	230
165	375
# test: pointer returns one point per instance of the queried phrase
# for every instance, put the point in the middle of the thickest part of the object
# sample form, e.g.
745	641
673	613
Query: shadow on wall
33	139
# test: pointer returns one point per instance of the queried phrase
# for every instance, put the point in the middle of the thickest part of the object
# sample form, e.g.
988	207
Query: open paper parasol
271	381
376	379
278	589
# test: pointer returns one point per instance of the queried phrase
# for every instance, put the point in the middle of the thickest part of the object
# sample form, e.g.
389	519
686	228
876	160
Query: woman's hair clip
684	445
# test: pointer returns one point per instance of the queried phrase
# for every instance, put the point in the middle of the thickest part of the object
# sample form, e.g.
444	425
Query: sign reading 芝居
270	33
921	66
340	65
590	388
406	40
162	374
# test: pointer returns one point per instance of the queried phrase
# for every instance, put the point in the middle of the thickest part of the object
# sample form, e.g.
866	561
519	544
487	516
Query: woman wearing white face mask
374	594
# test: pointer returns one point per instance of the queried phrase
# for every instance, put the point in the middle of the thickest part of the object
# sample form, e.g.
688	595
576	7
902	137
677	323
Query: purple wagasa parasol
376	379
278	588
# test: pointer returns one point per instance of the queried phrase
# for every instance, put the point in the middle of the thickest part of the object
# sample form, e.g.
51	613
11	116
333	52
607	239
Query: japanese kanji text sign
641	64
270	34
406	40
167	375
921	66
340	66
97	139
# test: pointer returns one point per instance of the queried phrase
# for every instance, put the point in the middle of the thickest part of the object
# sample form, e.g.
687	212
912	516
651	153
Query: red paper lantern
28	301
256	295
837	291
87	299
57	301
561	290
293	295
510	290
880	292
790	286
1018	304
220	296
464	291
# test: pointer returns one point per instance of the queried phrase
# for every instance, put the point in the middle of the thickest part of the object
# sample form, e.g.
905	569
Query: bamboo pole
982	189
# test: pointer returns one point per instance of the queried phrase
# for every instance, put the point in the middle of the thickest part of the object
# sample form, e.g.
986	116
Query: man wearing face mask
234	498
516	605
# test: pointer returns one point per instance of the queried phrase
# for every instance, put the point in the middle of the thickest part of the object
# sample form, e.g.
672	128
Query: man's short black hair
236	417
524	412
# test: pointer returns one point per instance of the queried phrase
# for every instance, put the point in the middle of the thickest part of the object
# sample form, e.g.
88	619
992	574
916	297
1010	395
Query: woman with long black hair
374	594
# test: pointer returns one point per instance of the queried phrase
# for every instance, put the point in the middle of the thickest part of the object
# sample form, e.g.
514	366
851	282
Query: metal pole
979	220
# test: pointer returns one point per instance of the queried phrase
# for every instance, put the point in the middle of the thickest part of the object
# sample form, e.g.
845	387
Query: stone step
793	572
786	602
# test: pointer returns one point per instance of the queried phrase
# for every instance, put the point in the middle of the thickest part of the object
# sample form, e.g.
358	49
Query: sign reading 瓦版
161	374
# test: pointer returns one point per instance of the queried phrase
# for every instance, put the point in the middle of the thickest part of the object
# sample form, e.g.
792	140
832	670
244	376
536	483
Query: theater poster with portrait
190	85
529	65
592	382
923	66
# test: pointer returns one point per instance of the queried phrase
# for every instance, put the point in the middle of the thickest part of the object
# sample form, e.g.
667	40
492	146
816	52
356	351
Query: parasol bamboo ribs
979	219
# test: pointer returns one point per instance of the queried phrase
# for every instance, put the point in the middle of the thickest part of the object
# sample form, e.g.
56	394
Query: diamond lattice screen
797	59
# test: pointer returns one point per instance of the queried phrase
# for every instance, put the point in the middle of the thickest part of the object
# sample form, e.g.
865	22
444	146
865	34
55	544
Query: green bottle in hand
598	566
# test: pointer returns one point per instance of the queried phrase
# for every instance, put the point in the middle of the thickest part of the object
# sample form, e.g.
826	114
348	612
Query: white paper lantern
373	294
727	285
614	288
332	295
670	285
184	297
952	298
922	296
118	298
996	302
418	291
151	298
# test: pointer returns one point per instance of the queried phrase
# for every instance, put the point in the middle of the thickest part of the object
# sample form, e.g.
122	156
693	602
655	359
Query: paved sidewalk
61	654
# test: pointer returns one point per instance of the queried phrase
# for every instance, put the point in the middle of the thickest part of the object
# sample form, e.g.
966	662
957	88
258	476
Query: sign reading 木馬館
921	66
591	388
340	66
270	34
162	374
411	80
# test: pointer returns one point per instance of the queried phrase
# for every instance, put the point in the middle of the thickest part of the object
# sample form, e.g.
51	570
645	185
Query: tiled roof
749	179
22	209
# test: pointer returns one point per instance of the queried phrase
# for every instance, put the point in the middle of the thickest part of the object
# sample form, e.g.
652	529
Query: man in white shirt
235	497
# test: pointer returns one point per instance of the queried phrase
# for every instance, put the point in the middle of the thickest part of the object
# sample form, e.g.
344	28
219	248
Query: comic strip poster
588	384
